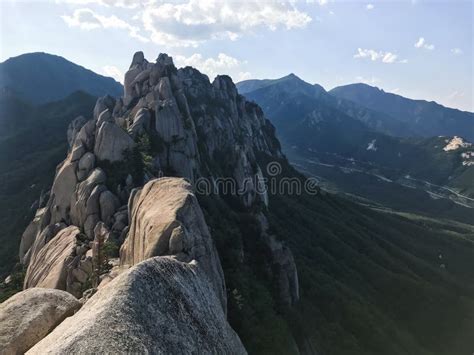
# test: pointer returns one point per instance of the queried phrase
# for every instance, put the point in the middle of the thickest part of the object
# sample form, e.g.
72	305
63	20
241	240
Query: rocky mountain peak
110	194
292	76
138	59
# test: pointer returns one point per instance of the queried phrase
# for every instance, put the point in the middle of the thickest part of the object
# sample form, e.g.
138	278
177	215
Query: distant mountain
265	92
421	117
290	82
41	77
327	137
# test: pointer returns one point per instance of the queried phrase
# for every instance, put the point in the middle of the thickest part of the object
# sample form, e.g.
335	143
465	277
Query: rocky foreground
159	306
134	248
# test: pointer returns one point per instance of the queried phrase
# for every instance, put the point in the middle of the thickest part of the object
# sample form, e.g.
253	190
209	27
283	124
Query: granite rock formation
30	315
159	306
109	193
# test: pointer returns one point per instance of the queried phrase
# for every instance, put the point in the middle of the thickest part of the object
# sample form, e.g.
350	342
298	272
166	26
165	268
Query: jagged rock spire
138	59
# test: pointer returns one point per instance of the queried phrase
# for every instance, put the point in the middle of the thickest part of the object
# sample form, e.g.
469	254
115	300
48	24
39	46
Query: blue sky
419	49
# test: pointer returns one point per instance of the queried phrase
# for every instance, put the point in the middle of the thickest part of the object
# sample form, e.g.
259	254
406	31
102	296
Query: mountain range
339	141
41	77
161	265
420	117
384	112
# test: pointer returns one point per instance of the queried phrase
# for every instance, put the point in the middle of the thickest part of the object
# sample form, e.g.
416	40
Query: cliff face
106	195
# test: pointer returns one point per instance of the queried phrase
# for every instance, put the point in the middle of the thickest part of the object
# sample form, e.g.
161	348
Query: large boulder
48	267
141	122
30	315
109	203
64	183
166	219
85	165
47	233
85	137
29	235
74	128
85	207
160	306
106	102
105	116
111	142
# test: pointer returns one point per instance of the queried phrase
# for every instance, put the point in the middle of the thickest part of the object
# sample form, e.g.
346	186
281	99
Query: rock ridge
159	306
110	208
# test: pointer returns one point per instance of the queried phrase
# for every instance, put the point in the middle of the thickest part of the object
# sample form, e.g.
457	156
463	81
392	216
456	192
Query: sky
415	48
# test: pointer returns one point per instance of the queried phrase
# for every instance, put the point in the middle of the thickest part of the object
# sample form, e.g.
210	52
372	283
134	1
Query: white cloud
370	7
86	19
195	21
389	58
320	2
421	43
244	76
373	55
371	81
188	23
83	18
368	53
457	51
127	4
222	64
114	72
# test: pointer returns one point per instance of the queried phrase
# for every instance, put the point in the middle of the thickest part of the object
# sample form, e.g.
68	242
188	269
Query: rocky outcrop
160	306
78	200
74	128
85	165
30	315
63	186
104	103
166	220
111	142
85	202
48	268
59	260
29	235
141	123
170	122
190	128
